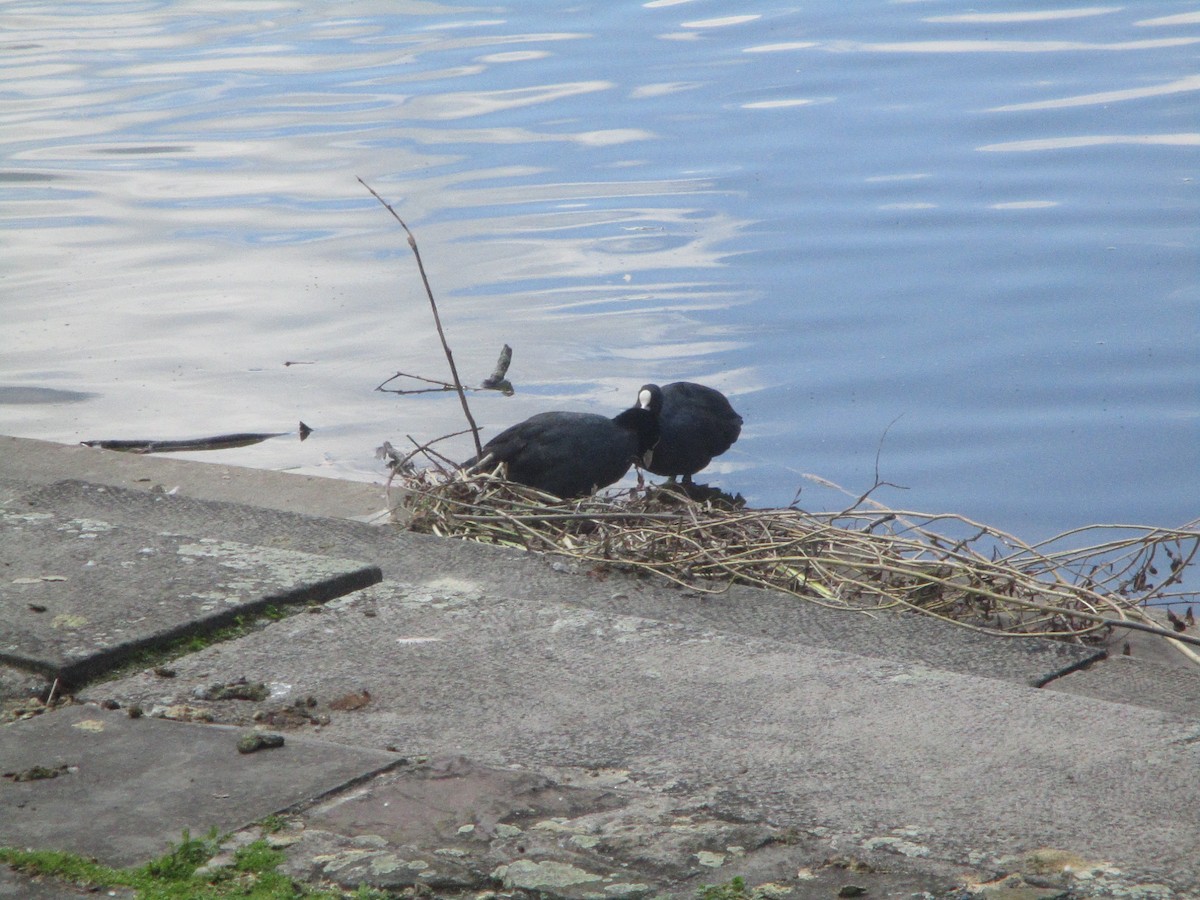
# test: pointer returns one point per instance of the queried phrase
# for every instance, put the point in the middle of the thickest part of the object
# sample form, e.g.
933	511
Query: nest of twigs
1076	586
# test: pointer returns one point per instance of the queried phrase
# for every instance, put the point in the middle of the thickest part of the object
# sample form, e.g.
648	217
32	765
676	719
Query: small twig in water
494	382
442	386
217	442
879	453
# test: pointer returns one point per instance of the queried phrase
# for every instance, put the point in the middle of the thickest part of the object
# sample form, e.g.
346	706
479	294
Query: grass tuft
253	875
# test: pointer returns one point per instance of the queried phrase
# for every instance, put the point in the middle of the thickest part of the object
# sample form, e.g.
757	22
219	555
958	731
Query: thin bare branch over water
437	319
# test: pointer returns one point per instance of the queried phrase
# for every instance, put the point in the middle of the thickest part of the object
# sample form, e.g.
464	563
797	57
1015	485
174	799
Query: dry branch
494	382
437	319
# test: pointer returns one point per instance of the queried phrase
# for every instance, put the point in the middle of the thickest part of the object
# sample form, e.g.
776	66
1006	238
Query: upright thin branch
437	320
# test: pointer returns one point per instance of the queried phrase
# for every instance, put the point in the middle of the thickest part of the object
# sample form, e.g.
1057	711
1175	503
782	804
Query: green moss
734	889
252	876
66	866
149	657
257	857
184	859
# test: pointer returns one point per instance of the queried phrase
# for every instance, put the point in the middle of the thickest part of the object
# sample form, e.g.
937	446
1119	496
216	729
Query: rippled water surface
974	231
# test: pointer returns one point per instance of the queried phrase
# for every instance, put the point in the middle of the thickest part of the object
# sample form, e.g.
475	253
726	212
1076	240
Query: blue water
975	233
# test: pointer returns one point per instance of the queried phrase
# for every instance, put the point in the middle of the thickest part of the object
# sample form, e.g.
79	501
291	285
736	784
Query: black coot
572	454
696	423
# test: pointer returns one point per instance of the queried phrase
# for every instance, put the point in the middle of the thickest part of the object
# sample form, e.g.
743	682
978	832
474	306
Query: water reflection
720	22
1095	140
609	137
465	105
1191	83
1010	46
1015	17
1188	18
779	104
29	394
972	221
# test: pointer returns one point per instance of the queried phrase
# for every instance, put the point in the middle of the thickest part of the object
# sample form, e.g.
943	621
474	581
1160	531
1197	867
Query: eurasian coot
696	423
572	454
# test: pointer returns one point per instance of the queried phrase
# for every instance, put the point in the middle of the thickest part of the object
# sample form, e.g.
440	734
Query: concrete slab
761	614
884	753
458	828
79	594
33	462
1120	679
926	744
130	786
10	490
890	635
17	886
501	571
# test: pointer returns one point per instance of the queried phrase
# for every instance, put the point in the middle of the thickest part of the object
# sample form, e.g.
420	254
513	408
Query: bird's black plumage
695	424
571	454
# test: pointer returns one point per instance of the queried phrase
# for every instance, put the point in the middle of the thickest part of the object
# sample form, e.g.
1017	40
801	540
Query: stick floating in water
217	442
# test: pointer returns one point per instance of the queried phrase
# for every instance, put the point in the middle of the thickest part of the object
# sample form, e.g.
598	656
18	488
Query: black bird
572	454
696	423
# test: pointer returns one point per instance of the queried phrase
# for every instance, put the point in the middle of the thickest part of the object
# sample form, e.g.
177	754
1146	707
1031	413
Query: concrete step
890	734
751	612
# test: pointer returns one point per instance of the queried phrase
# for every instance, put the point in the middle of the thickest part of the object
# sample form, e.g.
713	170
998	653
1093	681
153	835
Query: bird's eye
644	399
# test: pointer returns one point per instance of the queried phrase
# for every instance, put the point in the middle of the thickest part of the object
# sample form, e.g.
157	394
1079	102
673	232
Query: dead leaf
352	701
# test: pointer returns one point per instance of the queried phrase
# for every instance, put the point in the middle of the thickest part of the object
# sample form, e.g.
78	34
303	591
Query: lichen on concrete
536	875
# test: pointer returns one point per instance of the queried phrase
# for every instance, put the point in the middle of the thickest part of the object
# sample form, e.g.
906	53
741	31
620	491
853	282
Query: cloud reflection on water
1022	16
1094	140
1004	46
791	204
1191	83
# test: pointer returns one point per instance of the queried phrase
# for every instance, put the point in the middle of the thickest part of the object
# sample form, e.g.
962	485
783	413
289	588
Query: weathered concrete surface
502	571
80	594
960	767
25	463
15	886
923	746
453	825
128	787
1138	682
499	571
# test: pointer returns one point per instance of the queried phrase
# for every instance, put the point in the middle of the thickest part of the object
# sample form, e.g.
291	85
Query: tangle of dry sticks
1076	586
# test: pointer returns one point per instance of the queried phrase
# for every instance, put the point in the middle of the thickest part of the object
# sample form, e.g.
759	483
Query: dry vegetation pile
1076	586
